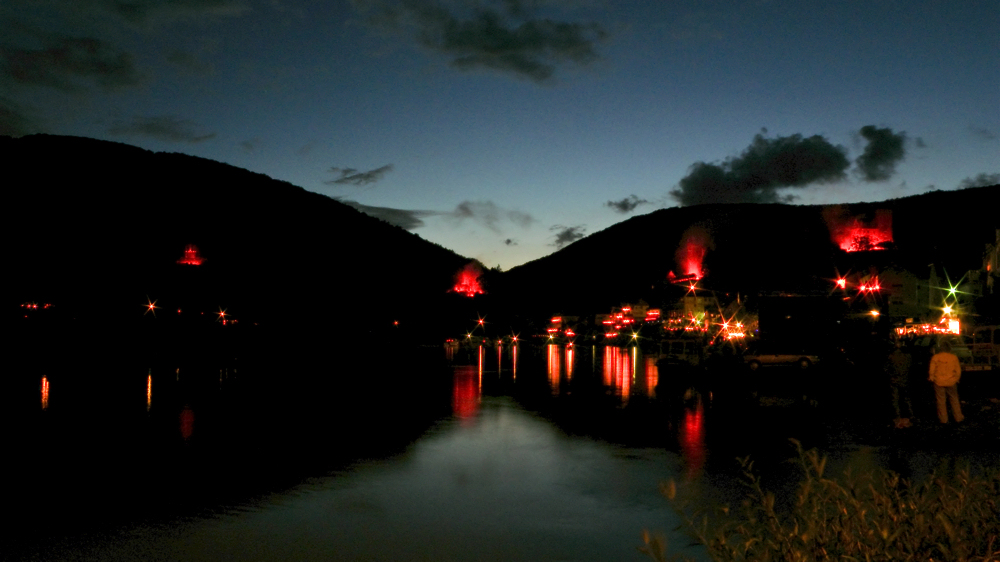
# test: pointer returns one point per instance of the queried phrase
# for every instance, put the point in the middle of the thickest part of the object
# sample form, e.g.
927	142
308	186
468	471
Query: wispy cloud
883	151
16	120
626	205
980	180
164	128
982	133
488	214
68	64
403	218
567	234
505	36
351	176
763	168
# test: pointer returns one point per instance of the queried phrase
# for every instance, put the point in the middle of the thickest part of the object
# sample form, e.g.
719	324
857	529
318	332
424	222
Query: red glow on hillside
467	281
191	256
690	256
855	233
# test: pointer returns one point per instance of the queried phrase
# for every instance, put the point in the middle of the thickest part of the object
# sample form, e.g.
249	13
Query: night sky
504	130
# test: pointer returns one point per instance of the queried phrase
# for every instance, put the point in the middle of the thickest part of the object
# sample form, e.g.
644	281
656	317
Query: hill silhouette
98	227
756	248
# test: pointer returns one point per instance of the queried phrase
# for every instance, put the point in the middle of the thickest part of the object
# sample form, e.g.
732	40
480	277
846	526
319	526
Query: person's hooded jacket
945	370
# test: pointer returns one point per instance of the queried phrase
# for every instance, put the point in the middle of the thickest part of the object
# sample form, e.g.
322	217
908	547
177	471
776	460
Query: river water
517	453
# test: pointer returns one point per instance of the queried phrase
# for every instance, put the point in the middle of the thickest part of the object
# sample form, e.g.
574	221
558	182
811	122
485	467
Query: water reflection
466	391
554	364
691	437
45	392
149	390
619	373
652	376
187	422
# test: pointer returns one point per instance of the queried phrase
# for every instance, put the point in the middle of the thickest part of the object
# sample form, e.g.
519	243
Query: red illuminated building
191	256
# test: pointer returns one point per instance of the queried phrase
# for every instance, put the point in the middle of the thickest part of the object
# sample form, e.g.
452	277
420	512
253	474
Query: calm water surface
485	454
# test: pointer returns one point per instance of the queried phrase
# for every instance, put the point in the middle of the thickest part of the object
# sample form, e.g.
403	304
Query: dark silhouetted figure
898	367
944	373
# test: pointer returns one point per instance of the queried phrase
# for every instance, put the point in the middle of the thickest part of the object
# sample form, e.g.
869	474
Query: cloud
249	145
767	165
567	234
884	150
403	218
63	62
15	120
919	141
980	180
626	205
162	12
189	62
982	133
505	38
490	215
510	242
164	128
350	176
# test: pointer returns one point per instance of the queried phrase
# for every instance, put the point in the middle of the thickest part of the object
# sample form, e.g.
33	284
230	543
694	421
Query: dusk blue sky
503	130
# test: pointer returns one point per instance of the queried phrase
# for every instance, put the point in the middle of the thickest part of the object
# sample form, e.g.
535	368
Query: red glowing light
854	234
467	281
191	256
690	255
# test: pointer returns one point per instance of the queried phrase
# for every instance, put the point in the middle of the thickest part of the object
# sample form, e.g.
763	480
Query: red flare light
191	256
467	281
854	234
691	254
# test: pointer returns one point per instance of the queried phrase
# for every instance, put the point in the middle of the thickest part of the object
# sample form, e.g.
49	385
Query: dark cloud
163	11
189	63
510	242
982	133
490	215
980	180
884	150
766	166
567	234
351	176
249	145
626	205
919	141
64	63
506	37
15	120
403	218
164	128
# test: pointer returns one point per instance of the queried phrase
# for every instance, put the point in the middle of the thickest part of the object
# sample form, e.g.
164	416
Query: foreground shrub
869	517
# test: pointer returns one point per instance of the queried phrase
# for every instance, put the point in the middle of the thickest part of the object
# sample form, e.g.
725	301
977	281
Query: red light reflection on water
652	376
554	365
465	392
187	422
45	392
691	437
149	391
618	373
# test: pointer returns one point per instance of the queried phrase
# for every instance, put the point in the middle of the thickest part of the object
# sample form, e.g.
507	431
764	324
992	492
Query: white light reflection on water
508	486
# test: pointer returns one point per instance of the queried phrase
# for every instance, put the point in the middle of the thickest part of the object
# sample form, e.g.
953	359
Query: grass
869	517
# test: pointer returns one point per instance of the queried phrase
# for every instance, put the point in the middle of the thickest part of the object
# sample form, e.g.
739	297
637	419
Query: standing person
944	373
898	366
